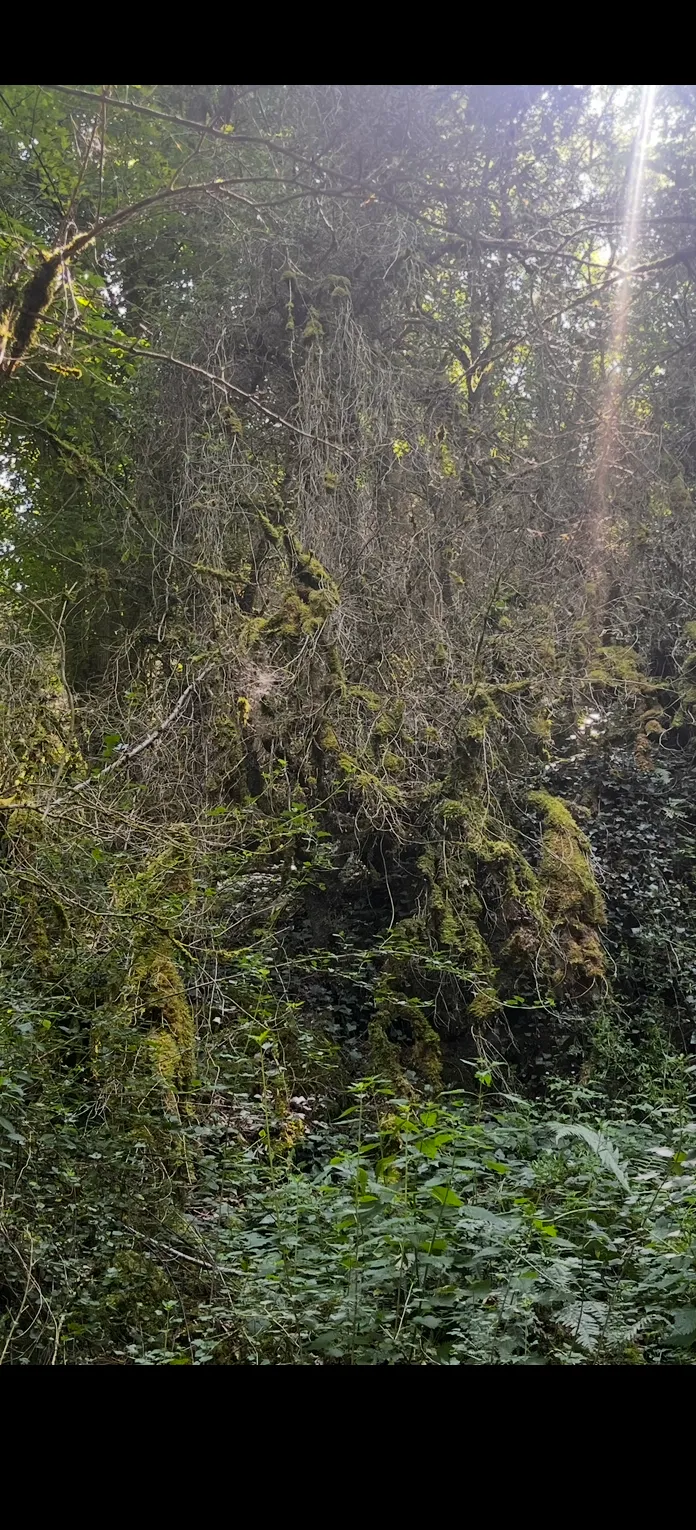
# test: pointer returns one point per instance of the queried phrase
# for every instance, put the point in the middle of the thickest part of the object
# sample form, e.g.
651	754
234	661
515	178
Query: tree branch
133	750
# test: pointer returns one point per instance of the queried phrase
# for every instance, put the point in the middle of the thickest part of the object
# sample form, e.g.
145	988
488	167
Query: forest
347	725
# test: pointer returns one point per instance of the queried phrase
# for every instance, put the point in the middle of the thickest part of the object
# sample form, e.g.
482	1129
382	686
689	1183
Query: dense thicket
347	717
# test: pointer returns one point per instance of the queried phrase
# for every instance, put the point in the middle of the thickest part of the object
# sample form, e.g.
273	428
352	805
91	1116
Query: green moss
394	763
484	1004
161	877
160	998
253	632
616	667
314	328
557	815
231	421
454	910
454	812
367	783
468	815
385	1057
449	466
274	533
23	822
570	897
481	716
427	864
321	603
166	1057
336	678
306	606
295	618
340	286
398	1009
689	631
390	720
369	698
540	725
328	740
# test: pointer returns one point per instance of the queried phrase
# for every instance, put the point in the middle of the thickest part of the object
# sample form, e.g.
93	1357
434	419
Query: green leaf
9	1130
430	1146
683	1330
600	1145
445	1196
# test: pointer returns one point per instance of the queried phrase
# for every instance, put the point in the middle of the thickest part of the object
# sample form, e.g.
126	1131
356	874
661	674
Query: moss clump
481	853
390	720
151	1024
484	1004
467	813
399	1012
25	823
454	909
39	747
394	763
617	668
557	816
160	1001
298	616
385	1057
273	532
453	812
482	714
166	1057
368	698
307	604
340	286
570	897
232	424
334	665
368	784
314	328
164	876
20	325
541	729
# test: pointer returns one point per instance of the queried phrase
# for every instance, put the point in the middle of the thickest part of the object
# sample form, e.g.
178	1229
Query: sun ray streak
607	439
